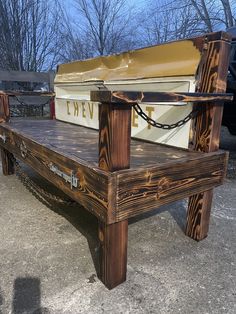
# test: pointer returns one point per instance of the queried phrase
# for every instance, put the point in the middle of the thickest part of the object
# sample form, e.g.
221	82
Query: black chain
25	104
193	114
40	192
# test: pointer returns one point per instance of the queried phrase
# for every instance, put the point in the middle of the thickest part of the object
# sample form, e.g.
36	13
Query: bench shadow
177	210
27	296
76	215
86	223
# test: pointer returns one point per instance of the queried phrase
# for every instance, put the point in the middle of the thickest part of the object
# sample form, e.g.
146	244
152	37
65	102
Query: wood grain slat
63	138
149	188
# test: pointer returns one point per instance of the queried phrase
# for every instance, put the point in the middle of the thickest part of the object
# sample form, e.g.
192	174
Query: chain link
193	114
35	188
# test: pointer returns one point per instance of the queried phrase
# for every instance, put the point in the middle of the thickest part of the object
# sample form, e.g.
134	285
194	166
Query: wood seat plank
63	138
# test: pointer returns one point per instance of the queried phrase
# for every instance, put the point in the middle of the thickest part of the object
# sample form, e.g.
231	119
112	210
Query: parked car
229	114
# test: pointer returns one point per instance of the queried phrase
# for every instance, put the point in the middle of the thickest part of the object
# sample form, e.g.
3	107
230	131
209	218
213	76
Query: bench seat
158	174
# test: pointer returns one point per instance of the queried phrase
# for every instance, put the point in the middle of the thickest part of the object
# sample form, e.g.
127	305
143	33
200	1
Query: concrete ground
49	256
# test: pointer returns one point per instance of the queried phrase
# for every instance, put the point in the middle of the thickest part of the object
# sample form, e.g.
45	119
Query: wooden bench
116	177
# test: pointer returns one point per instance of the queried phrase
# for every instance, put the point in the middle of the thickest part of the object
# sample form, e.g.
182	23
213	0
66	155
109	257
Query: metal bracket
23	149
72	179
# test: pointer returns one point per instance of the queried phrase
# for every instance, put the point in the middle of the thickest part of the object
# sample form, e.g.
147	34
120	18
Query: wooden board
151	187
130	98
80	143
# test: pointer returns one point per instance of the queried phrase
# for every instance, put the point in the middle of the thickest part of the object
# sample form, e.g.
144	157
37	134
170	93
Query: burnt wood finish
148	188
129	98
114	154
56	142
113	253
92	190
205	133
63	137
4	108
7	164
114	137
201	41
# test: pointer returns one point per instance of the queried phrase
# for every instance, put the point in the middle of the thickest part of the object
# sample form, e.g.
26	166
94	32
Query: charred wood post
114	154
7	164
205	131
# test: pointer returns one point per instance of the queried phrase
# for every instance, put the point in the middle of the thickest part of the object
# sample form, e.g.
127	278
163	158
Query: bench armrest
177	99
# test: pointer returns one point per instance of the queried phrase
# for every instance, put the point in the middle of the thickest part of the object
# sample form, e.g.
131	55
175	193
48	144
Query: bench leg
7	164
113	253
198	215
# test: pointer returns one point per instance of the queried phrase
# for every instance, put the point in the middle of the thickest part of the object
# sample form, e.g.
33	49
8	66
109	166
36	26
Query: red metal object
52	108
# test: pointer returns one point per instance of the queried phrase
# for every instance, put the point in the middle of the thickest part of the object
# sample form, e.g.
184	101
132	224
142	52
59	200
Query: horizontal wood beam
147	188
130	98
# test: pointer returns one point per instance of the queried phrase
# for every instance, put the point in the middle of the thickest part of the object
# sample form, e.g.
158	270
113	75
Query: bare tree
229	13
170	20
29	34
76	44
203	10
213	15
106	25
167	20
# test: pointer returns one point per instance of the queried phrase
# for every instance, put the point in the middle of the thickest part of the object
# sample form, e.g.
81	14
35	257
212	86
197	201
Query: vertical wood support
4	108
114	154
205	132
7	164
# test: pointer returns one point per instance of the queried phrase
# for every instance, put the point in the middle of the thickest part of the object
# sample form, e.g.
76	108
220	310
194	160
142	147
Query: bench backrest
171	67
